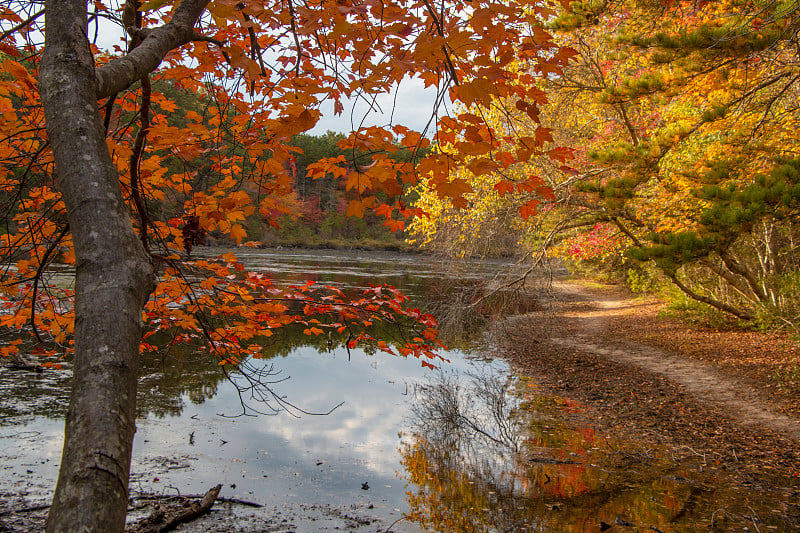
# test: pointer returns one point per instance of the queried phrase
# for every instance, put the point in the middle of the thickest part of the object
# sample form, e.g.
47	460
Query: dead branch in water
222	499
167	518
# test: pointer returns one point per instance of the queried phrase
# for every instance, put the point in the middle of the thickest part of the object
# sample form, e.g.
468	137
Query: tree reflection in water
178	372
489	454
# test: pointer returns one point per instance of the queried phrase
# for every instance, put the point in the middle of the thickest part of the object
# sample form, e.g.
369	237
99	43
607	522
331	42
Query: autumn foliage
683	137
206	135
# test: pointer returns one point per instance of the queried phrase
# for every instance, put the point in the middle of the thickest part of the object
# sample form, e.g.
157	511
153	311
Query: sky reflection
312	458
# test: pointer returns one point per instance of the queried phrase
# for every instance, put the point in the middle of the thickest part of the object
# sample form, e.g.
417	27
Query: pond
469	447
192	432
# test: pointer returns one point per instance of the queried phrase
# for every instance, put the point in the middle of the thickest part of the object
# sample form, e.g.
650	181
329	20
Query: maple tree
105	150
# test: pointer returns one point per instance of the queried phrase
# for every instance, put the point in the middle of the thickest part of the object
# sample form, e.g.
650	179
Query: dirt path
637	380
701	380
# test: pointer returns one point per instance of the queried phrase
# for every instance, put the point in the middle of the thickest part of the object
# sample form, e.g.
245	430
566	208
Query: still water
196	430
470	447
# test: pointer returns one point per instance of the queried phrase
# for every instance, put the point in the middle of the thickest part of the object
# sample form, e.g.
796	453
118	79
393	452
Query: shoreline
594	346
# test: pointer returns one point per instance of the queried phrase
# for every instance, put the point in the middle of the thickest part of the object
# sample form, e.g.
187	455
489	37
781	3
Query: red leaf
528	209
543	135
561	153
504	187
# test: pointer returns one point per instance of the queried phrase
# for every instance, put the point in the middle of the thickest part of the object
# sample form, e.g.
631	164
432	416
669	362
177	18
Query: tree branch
440	30
21	25
296	40
737	268
39	271
731	279
163	520
136	157
709	301
118	74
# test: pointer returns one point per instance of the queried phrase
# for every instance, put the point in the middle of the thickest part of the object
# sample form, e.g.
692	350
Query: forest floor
719	394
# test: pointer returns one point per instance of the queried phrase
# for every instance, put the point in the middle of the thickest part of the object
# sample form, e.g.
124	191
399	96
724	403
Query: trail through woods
700	379
661	381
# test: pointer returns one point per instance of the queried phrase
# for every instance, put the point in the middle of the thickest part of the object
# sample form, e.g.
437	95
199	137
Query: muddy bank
584	345
20	516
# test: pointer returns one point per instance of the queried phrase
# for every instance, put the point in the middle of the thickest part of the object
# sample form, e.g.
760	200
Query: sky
411	106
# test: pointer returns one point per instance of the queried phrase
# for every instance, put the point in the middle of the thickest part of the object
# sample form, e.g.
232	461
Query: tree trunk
722	306
114	279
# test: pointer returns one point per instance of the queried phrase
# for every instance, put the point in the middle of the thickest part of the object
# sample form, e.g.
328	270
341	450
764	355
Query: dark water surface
470	448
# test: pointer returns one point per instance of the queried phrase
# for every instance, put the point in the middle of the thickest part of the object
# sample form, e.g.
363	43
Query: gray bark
113	281
738	268
730	278
744	315
113	273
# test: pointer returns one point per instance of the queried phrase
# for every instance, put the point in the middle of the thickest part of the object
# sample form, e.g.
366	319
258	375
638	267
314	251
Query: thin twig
388	529
21	25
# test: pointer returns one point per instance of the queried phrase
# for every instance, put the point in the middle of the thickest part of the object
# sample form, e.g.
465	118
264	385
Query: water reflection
26	395
489	458
169	379
463	296
181	372
485	452
190	437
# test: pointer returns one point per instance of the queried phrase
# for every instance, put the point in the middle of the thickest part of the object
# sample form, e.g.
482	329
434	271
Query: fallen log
31	509
163	497
167	518
551	461
18	362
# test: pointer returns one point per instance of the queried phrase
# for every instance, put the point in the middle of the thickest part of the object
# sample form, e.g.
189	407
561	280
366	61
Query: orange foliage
209	138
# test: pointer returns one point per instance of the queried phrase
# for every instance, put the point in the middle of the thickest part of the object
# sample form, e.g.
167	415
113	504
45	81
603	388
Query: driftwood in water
31	509
18	362
167	518
551	461
156	496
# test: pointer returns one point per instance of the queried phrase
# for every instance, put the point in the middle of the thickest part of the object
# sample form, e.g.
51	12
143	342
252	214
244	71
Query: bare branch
39	272
136	158
722	306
